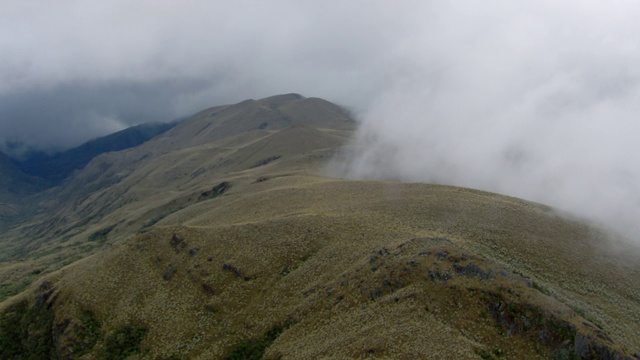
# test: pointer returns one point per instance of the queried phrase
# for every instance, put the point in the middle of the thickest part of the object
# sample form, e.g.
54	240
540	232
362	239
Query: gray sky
70	70
537	99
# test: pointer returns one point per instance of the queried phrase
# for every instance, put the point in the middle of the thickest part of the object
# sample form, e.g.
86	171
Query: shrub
89	332
26	332
124	342
253	349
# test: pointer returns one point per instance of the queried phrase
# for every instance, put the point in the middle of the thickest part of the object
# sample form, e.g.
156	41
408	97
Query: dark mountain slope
11	177
16	193
59	166
14	184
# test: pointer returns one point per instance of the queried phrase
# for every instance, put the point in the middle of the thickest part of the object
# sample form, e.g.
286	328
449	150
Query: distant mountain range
57	167
14	183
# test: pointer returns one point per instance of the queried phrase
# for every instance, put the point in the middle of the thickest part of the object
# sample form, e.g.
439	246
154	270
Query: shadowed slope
59	166
14	183
16	190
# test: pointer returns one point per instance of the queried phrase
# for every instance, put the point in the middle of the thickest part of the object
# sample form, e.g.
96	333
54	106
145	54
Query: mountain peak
282	99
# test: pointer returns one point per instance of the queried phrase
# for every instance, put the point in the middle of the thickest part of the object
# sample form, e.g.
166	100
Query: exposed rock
472	270
169	272
178	243
588	347
215	191
266	161
234	270
45	290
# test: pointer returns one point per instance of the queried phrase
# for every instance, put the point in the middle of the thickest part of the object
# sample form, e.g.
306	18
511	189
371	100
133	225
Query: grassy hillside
237	246
119	193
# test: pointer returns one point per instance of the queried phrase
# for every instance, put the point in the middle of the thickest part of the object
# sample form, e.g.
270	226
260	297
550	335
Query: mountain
59	166
16	189
225	238
13	182
137	186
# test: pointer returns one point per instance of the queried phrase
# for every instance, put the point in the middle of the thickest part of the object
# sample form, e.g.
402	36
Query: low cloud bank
536	99
539	101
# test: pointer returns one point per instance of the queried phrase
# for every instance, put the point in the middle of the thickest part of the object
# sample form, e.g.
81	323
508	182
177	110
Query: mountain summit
225	238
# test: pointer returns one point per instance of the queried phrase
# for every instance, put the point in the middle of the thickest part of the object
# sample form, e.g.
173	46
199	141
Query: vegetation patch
9	289
541	288
101	235
266	161
285	270
531	322
254	348
124	342
158	217
88	333
26	332
485	355
215	191
565	353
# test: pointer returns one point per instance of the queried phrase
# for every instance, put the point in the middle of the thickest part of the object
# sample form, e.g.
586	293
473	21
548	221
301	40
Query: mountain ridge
224	238
59	166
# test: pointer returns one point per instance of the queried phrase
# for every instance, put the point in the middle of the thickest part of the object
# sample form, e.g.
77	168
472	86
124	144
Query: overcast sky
537	99
70	70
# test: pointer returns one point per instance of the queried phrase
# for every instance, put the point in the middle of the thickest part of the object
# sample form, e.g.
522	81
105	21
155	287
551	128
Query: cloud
537	99
73	112
72	54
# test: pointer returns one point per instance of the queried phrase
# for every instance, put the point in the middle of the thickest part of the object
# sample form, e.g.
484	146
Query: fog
539	101
535	99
